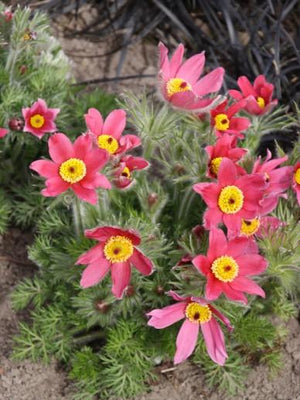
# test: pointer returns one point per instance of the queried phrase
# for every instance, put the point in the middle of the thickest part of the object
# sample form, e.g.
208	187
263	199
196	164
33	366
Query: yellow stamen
225	268
37	121
222	122
177	85
250	227
215	165
197	313
126	172
118	249
297	176
231	200
108	143
261	102
26	36
72	170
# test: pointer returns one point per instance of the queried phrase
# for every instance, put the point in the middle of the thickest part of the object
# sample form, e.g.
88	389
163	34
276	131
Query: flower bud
16	124
152	199
102	306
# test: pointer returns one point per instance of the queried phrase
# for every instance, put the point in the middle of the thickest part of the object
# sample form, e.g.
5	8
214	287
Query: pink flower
197	314
39	119
296	181
3	132
180	84
259	96
228	265
108	133
224	147
123	174
224	121
8	15
74	166
232	198
116	251
277	180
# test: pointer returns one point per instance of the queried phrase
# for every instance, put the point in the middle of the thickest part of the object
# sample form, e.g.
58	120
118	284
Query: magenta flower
108	133
180	84
232	198
259	96
223	119
75	166
123	174
39	119
3	132
224	147
296	181
228	265
116	251
277	180
198	314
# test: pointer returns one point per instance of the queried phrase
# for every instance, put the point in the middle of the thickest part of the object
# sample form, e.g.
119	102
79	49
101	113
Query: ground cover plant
156	223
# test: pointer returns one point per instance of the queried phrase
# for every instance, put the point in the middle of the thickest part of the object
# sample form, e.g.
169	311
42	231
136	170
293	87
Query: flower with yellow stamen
250	227
225	268
177	85
215	165
72	170
231	199
197	313
222	122
261	102
118	249
108	143
37	121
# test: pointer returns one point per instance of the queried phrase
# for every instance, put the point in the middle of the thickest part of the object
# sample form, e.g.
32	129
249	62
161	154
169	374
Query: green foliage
5	211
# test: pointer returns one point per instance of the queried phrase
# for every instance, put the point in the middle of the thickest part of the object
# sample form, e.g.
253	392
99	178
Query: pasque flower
197	314
116	251
3	132
39	119
259	95
277	180
179	81
224	147
296	180
108	133
123	176
223	120
75	166
228	265
232	198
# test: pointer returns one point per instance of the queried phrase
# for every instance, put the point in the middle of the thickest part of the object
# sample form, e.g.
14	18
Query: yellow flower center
197	313
118	249
126	172
177	85
249	227
108	143
231	200
26	36
261	102
297	176
72	170
215	165
222	122
225	268
37	121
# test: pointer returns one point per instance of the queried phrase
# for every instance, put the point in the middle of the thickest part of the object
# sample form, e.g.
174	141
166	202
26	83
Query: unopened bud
130	291
160	290
152	199
102	306
198	231
23	69
16	124
179	169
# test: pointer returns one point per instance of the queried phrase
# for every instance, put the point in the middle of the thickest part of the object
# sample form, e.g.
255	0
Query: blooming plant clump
205	236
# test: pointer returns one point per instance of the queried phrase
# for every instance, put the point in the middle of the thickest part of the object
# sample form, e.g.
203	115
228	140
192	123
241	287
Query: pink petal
227	172
55	186
94	273
176	60
217	244
141	262
213	288
94	121
164	65
96	159
235	94
186	341
191	69
103	233
82	146
60	148
120	274
134	163
176	296
167	315
95	253
128	142
232	294
252	107
88	195
210	83
244	284
3	132
92	181
202	264
214	340
209	192
246	87
114	123
238	247
251	264
212	218
222	318
239	124
45	168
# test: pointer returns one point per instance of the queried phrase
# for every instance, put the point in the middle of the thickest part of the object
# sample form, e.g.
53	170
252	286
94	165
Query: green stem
89	337
76	208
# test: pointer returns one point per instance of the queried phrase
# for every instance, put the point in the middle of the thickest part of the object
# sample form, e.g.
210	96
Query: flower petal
45	168
141	262
167	315
88	195
115	123
244	284
60	148
251	264
55	186
186	341
202	264
210	83
94	121
93	254
191	69
120	274
214	340
94	273
103	233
